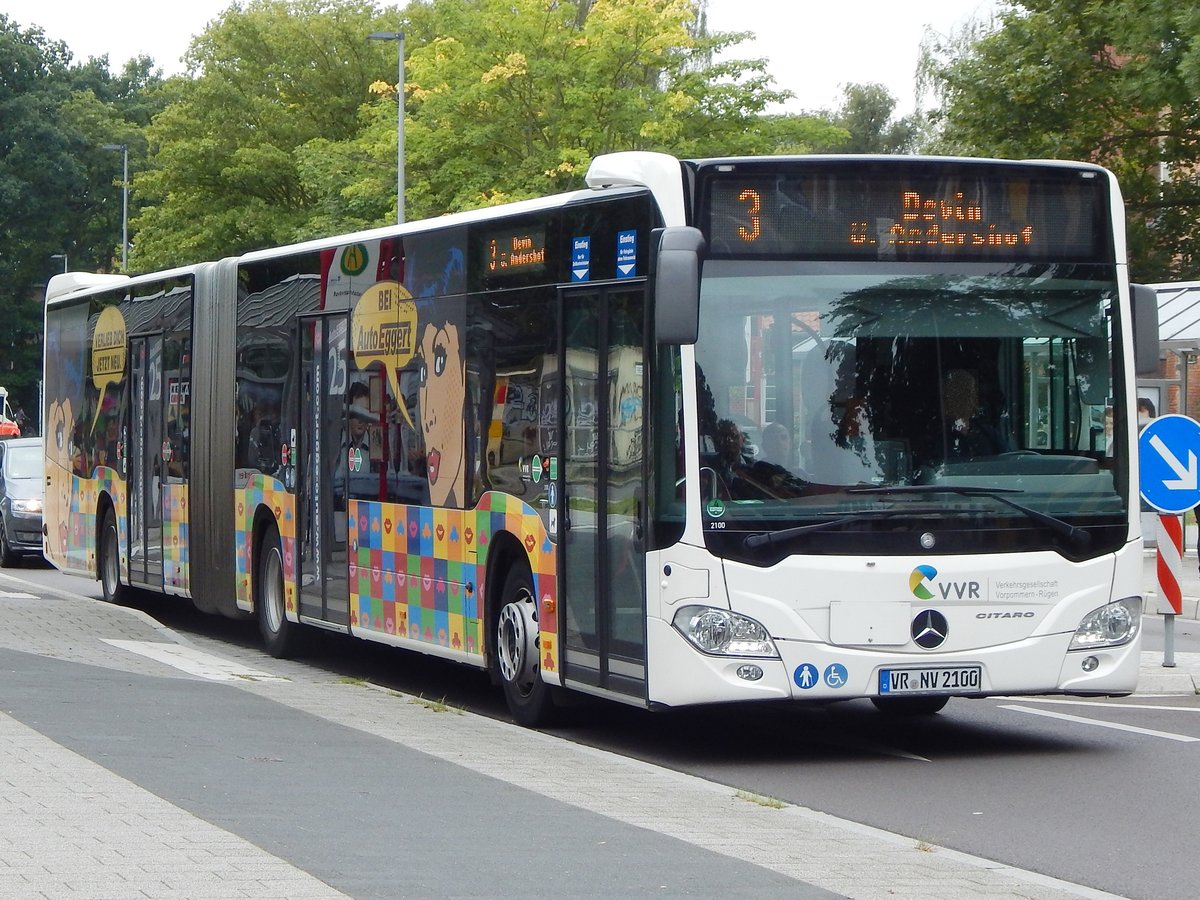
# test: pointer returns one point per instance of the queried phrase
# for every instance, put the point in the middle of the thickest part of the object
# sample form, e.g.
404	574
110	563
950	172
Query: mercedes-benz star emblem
929	629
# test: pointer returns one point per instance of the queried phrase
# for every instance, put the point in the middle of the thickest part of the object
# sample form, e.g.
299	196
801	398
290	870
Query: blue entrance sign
581	258
627	254
1168	475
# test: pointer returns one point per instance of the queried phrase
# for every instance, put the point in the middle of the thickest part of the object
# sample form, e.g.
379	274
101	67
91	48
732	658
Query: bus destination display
841	214
510	252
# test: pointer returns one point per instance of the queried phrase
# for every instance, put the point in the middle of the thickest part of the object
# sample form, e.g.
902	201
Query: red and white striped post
1170	576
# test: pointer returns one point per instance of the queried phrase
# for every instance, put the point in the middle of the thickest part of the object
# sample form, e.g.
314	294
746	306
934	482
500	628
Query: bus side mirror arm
1144	299
676	265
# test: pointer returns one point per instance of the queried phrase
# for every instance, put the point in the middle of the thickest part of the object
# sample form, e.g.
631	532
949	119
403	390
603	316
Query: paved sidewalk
1184	677
71	828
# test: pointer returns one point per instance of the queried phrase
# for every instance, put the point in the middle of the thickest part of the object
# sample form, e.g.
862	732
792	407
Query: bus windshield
817	382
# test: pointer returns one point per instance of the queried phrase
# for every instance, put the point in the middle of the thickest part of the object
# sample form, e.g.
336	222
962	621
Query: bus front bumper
681	675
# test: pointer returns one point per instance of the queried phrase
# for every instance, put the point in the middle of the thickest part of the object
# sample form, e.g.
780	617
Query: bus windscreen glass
880	211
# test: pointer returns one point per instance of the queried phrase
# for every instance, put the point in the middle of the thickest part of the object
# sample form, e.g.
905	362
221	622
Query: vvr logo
920	576
921	581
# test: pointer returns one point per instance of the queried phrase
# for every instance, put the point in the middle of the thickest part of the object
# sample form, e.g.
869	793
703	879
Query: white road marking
869	747
1070	702
1183	738
195	662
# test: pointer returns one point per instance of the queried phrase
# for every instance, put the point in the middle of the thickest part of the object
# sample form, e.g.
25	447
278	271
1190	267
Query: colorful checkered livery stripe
262	490
80	550
418	573
176	566
415	572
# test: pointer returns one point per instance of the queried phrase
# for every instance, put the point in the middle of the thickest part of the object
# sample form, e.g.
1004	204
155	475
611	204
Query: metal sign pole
1170	577
1169	480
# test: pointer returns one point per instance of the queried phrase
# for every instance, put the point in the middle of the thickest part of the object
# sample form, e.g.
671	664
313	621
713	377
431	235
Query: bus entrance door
324	584
146	471
602	553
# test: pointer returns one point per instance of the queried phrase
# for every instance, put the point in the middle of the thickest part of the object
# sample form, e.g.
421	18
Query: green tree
264	80
867	116
104	109
1114	83
508	99
800	133
59	190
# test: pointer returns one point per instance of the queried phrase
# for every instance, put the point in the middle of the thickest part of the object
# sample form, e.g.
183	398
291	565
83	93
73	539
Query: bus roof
69	284
893	159
483	214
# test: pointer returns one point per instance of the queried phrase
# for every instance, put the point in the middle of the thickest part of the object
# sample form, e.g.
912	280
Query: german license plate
931	680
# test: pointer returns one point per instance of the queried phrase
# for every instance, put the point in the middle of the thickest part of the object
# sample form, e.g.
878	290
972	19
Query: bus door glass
146	472
601	481
324	588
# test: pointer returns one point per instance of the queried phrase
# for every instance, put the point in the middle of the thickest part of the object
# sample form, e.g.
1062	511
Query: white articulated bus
808	428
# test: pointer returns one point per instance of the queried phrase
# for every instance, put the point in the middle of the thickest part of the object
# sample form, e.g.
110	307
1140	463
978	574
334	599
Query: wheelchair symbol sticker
835	675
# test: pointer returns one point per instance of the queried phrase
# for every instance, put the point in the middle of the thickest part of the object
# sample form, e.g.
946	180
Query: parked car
22	488
8	424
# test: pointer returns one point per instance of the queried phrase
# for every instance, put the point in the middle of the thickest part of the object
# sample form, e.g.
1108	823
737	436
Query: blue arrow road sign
1169	475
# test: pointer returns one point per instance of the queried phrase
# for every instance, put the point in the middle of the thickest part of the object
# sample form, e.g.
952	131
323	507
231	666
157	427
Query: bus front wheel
281	636
110	559
517	647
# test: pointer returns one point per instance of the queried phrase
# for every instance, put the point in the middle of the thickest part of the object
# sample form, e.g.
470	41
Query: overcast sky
815	47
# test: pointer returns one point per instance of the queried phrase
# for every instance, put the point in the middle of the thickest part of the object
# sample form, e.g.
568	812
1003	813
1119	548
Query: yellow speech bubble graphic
108	354
383	329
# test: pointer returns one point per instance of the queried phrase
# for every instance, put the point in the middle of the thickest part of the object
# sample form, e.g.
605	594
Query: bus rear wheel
110	559
517	652
280	636
907	707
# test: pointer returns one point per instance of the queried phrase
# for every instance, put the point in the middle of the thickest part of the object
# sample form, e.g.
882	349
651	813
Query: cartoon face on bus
59	450
443	390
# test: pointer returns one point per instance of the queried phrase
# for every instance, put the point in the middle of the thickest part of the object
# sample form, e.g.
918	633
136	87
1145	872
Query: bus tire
909	707
110	559
530	699
280	636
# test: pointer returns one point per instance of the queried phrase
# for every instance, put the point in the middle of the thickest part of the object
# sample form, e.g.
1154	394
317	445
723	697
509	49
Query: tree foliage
867	115
1112	82
59	190
508	99
263	81
284	125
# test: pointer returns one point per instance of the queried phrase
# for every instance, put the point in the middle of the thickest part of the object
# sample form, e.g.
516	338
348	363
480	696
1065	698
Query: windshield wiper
1077	536
768	538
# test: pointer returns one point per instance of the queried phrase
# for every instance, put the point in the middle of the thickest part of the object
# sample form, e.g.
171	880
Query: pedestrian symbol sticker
805	676
835	675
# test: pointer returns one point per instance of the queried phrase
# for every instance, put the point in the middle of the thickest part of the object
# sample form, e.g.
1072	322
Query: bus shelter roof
1178	315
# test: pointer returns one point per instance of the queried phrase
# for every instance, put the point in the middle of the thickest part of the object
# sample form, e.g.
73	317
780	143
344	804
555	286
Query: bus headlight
1109	626
724	633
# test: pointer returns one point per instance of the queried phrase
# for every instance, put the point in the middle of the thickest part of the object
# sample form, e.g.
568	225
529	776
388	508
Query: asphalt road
1092	792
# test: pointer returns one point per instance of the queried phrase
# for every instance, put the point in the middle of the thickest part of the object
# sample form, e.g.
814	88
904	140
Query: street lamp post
398	37
124	151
